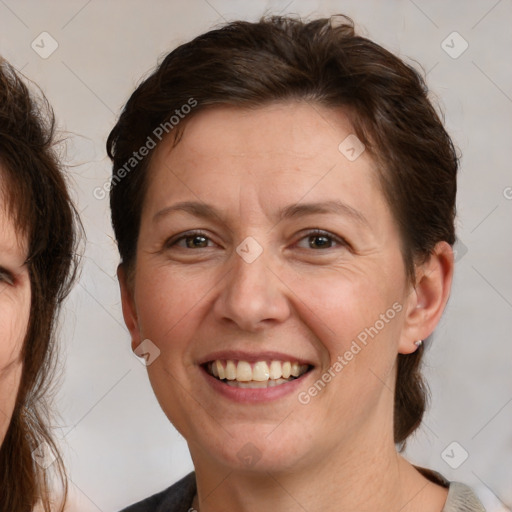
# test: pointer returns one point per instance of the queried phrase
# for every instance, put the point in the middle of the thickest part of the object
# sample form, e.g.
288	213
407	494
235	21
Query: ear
428	297
129	309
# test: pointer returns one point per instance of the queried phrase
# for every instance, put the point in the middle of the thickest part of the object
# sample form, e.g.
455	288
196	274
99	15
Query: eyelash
313	233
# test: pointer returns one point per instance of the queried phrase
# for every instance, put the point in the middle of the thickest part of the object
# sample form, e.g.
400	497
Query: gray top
462	499
178	498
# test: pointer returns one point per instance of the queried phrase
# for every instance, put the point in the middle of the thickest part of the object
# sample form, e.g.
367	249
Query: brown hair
323	62
37	199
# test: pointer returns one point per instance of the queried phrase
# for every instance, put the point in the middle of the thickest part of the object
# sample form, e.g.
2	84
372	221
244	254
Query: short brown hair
37	200
323	62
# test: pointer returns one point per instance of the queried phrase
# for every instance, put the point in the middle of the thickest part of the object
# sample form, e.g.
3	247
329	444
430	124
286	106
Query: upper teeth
260	371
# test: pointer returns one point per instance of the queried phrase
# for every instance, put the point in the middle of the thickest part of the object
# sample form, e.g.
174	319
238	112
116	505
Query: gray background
118	445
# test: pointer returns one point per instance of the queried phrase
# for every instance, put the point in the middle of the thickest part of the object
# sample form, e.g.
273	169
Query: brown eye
320	242
6	277
195	241
191	240
318	239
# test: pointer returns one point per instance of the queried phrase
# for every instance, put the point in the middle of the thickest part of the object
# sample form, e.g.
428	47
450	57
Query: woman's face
229	268
14	313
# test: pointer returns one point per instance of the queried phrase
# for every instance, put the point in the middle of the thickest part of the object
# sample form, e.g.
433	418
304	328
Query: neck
369	478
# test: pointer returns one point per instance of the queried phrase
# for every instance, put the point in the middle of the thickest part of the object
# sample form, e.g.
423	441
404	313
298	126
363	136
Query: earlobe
128	306
428	298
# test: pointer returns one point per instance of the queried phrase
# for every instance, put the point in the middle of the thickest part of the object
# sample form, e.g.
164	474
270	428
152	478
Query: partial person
38	233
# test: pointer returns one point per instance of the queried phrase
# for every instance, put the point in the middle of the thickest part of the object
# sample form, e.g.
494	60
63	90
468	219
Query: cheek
346	303
9	383
357	323
165	298
13	328
356	314
169	309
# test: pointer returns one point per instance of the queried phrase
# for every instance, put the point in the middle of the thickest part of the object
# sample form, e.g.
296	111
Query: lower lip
253	395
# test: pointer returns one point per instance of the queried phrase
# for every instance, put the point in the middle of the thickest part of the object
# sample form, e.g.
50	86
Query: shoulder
462	499
177	498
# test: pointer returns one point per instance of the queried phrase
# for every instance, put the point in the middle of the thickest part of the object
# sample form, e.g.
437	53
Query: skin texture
301	296
14	314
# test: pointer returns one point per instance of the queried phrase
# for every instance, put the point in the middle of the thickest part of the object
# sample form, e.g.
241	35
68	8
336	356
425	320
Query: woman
283	198
37	240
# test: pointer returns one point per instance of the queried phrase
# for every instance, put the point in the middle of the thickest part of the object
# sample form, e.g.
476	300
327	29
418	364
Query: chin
258	453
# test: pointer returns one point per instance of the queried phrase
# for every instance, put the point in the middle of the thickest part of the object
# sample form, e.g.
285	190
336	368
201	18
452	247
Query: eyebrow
206	211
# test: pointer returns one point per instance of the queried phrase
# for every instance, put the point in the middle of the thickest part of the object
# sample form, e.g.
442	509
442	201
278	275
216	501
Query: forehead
13	240
265	132
271	155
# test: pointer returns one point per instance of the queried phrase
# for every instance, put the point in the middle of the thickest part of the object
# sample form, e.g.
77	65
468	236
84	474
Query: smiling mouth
260	374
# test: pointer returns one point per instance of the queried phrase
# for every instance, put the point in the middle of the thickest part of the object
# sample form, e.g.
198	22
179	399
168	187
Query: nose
253	296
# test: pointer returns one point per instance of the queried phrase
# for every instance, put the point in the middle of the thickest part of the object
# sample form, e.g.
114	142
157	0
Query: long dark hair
37	199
